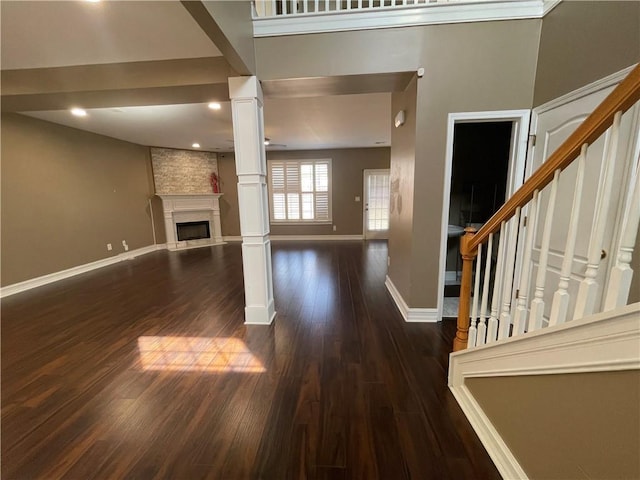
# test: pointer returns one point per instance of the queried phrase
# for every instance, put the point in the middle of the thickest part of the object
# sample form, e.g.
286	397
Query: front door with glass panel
376	204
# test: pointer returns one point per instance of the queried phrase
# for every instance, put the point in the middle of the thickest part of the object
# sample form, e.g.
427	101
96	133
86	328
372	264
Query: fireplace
192	220
192	230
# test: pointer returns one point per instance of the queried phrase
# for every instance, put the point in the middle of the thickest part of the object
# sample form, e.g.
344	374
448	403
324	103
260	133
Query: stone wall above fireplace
182	171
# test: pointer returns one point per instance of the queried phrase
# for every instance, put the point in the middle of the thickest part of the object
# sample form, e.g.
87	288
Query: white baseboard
499	452
410	314
73	271
603	342
316	237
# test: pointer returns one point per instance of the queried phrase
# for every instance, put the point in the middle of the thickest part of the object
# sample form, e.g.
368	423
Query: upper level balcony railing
290	17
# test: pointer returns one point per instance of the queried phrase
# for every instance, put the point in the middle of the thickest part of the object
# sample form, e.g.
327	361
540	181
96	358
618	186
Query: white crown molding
604	342
423	315
401	16
73	271
315	237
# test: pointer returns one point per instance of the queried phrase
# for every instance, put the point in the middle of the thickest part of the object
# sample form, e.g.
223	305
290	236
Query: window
300	190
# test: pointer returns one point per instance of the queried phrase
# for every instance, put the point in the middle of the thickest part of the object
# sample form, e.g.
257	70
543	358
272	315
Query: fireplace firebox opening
193	230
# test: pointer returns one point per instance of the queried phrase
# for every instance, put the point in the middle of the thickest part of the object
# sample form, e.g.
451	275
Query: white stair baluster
520	316
294	6
284	7
359	4
622	273
482	323
560	305
492	335
510	259
588	292
476	294
327	5
537	304
274	9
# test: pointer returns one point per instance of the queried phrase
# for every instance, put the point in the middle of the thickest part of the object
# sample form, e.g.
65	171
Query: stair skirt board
410	314
502	457
605	341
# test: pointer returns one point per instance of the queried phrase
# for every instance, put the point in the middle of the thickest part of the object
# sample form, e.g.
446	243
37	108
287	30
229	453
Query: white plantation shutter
300	190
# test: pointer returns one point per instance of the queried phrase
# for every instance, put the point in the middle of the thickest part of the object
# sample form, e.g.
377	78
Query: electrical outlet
334	228
109	247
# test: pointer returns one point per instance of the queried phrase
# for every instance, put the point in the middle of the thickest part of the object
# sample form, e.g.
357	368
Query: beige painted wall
403	154
66	194
567	427
347	176
469	67
582	42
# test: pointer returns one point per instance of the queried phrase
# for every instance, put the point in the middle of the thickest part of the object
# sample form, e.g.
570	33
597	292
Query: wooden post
468	256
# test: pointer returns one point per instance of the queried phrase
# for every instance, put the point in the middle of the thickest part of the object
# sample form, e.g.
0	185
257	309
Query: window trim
301	161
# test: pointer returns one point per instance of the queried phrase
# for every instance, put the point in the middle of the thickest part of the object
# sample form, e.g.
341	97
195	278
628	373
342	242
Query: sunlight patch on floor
199	354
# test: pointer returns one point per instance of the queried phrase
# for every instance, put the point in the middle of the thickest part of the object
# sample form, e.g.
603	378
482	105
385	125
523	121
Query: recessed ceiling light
215	106
195	145
79	112
92	1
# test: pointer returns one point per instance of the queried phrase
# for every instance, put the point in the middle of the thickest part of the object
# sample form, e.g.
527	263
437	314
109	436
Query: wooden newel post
468	256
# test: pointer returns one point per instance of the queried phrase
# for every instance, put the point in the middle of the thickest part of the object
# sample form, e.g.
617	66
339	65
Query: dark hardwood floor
144	370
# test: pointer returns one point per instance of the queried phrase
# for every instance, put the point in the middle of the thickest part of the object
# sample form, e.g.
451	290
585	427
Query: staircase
522	319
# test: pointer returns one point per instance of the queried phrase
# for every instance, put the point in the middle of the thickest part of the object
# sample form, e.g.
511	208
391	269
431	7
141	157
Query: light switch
357	199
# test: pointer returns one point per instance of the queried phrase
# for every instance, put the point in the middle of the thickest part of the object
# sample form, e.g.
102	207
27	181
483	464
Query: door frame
365	201
515	173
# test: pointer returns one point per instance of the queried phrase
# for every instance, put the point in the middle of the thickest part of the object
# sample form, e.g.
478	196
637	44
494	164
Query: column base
259	315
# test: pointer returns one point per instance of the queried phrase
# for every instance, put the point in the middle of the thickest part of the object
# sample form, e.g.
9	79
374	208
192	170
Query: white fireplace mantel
191	208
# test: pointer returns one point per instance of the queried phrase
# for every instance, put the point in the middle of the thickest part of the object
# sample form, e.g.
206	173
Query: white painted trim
73	271
604	342
411	314
316	237
401	16
515	177
499	452
593	87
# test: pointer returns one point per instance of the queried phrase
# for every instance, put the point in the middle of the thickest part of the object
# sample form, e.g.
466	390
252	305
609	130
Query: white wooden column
251	167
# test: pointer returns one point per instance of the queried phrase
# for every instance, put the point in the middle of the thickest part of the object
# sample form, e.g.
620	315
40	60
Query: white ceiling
344	121
64	33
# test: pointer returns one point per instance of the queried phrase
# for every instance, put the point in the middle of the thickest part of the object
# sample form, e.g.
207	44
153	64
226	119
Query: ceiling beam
161	82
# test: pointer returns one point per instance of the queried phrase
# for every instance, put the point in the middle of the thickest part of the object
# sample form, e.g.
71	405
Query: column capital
245	87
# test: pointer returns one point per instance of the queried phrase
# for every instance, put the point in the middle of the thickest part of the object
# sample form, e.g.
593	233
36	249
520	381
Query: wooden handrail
621	99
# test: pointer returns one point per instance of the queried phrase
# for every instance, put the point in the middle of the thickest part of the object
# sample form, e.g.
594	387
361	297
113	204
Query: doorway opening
486	154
